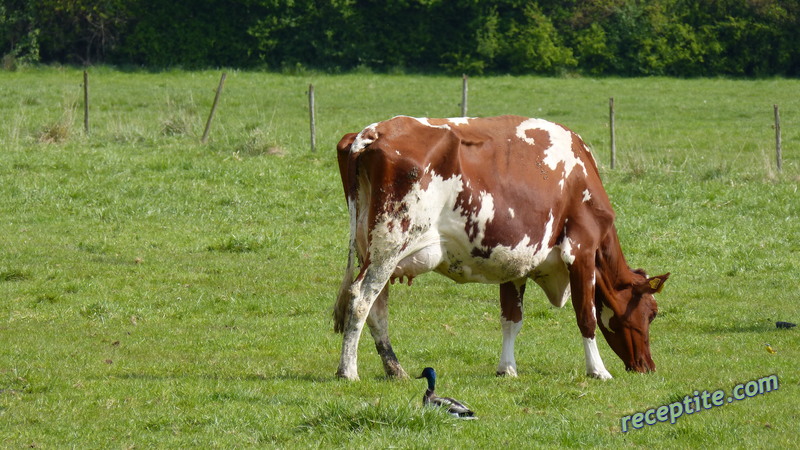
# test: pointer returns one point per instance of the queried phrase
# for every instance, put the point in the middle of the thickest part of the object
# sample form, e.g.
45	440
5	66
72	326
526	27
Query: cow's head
624	314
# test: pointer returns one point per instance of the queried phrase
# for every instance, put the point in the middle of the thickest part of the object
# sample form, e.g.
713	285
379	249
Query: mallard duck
452	406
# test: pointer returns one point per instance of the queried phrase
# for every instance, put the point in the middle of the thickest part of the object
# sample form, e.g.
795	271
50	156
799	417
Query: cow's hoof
600	375
347	376
507	372
397	374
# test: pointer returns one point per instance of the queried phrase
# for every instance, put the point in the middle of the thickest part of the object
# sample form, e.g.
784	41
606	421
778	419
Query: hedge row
595	37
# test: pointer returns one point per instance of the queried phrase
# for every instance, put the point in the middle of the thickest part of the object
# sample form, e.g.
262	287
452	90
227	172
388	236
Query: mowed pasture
156	292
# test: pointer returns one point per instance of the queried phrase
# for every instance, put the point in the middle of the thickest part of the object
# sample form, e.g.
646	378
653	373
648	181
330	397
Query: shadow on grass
754	327
248	377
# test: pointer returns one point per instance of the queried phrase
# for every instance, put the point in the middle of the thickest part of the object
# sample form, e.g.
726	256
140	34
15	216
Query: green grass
158	292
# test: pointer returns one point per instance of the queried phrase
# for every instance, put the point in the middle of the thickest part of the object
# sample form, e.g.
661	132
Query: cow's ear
656	284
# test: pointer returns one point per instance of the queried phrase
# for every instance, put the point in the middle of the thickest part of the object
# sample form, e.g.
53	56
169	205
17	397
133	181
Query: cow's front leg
378	321
511	294
582	283
594	364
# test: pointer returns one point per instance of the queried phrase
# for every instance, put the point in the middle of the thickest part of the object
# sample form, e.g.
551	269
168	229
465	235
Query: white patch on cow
594	364
586	196
460	120
485	214
418	249
560	149
544	246
398	152
589	151
605	316
508	364
361	141
566	251
504	262
511	212
425	121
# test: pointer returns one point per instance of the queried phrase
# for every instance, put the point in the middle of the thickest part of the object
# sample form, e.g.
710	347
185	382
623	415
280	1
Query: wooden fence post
312	117
613	132
464	87
778	150
213	109
86	102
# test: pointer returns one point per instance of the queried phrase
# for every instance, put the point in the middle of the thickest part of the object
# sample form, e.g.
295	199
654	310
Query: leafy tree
19	33
532	45
307	32
592	51
622	37
190	33
80	31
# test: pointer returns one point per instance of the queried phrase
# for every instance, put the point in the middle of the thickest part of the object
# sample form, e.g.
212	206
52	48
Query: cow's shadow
284	376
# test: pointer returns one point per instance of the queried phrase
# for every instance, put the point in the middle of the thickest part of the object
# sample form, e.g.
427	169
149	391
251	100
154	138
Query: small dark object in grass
785	324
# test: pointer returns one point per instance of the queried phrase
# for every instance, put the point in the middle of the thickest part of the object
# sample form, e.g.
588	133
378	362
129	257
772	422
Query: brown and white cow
488	200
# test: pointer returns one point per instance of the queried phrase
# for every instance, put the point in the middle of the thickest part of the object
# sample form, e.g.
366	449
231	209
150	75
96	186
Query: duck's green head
429	374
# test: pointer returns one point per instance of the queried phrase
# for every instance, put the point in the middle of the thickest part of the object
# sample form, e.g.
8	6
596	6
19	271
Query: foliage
78	31
529	43
189	33
622	37
19	34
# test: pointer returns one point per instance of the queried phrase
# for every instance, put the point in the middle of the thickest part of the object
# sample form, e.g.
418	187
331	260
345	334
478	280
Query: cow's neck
613	272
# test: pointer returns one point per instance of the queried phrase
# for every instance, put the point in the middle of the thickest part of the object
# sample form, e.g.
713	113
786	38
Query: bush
621	37
19	34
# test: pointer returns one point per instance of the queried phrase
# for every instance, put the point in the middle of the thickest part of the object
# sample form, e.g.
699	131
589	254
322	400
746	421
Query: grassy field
155	292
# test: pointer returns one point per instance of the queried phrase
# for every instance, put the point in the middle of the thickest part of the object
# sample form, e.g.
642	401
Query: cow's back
475	199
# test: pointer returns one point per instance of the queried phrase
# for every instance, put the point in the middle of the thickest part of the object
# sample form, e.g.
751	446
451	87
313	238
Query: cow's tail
342	305
348	163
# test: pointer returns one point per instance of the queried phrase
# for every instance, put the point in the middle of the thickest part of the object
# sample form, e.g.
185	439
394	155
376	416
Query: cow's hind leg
378	321
359	300
511	294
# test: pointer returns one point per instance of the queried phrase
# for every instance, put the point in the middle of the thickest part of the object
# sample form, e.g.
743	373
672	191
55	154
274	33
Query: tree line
592	37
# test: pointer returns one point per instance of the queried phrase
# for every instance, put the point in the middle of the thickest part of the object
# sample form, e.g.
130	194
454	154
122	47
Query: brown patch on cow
468	208
405	224
511	301
541	138
347	168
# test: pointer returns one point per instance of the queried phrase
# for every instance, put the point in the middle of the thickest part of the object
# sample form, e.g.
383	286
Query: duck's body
452	406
